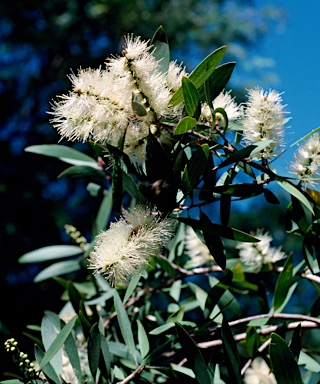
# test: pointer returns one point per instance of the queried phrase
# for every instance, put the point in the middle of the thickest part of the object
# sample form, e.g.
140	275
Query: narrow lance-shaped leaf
63	153
195	168
231	354
214	243
219	230
143	340
194	354
283	283
94	344
201	73
284	366
160	49
295	192
57	269
124	323
190	95
47	369
51	252
58	342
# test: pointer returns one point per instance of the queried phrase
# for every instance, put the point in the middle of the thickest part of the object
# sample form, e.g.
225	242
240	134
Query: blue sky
296	54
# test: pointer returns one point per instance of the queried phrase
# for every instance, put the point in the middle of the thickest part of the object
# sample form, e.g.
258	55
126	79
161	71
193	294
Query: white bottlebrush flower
197	251
259	373
175	75
255	255
307	160
264	120
225	101
126	248
99	106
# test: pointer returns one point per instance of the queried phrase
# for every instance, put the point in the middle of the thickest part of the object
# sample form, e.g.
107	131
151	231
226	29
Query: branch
264	331
260	349
132	375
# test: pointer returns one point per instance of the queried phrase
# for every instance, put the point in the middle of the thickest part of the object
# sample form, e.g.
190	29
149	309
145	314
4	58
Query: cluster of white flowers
129	95
264	120
254	255
224	101
307	160
259	373
197	251
126	248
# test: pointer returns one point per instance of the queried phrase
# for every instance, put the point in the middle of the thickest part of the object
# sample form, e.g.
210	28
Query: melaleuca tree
161	292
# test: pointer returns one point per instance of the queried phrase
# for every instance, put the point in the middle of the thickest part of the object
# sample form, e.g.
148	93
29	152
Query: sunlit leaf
47	369
124	323
201	73
49	334
160	49
58	342
283	283
295	192
51	252
190	95
143	340
216	83
66	154
131	287
185	125
57	269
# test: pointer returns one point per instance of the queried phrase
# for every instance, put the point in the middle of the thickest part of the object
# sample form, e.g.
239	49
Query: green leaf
295	343
190	95
231	354
47	369
185	125
252	341
94	345
130	186
284	366
57	269
49	334
244	190
238	156
161	51
214	243
13	381
143	340
51	252
131	287
83	172
270	197
295	192
161	329
197	361
305	137
124	323
201	73
195	168
308	362
63	153
104	212
75	298
283	283
137	106
72	352
217	291
58	342
216	82
219	230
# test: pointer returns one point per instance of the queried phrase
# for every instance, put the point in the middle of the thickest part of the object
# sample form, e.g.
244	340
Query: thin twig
264	331
132	375
260	349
